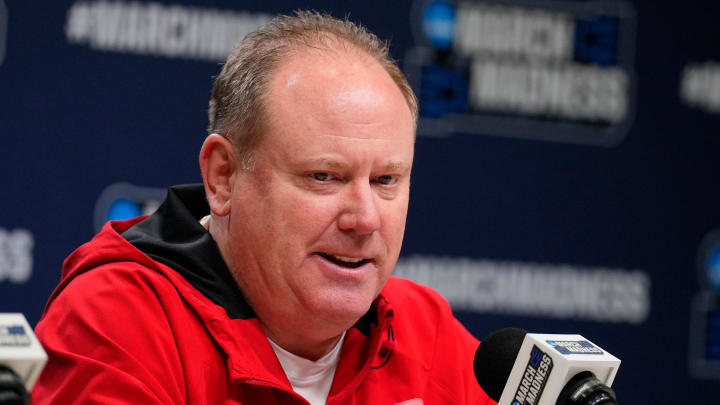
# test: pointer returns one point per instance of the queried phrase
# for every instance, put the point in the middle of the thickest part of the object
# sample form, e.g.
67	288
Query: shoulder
420	315
118	305
113	325
115	302
126	283
428	337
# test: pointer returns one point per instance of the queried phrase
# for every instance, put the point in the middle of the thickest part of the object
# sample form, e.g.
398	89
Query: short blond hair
236	108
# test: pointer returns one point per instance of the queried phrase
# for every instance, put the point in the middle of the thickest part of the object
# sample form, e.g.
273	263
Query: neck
302	337
301	345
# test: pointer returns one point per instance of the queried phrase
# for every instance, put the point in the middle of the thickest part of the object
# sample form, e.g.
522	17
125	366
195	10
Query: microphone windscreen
494	359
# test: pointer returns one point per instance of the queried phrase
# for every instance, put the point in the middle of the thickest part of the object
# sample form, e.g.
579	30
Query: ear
218	162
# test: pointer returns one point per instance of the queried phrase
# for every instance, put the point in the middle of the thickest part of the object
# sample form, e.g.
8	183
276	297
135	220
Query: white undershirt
310	379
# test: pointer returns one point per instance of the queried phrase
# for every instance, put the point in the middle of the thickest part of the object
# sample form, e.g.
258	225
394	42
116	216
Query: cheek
301	216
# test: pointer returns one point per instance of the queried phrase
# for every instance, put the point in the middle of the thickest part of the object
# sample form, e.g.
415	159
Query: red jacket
123	327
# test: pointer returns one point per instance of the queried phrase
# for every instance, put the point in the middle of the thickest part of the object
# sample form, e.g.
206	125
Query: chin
346	311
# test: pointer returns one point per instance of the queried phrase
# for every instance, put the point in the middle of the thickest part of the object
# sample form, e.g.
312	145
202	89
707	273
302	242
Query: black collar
173	236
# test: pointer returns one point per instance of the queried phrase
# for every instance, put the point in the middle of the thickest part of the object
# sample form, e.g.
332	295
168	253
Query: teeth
348	259
350	262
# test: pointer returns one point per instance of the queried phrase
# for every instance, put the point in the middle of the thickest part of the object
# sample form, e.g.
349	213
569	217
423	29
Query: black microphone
21	359
12	388
518	368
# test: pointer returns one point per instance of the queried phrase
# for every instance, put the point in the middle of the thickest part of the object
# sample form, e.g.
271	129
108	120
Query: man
270	284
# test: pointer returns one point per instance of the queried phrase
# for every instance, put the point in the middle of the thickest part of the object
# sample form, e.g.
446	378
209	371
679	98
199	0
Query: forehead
341	87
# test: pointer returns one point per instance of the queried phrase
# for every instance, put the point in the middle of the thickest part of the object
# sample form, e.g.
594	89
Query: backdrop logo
541	290
16	258
700	86
558	71
534	378
157	29
574	347
705	317
14	335
124	201
3	30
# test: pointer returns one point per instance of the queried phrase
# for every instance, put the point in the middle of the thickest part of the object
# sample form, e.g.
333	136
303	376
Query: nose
360	212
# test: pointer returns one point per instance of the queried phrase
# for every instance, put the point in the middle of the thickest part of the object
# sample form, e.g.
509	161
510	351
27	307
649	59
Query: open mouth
348	262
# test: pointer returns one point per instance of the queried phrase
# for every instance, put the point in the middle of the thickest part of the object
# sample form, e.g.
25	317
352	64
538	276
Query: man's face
317	226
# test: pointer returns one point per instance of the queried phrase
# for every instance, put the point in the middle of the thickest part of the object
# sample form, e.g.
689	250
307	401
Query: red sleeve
109	342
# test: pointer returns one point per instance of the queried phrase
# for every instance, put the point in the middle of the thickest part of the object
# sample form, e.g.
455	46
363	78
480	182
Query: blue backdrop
566	163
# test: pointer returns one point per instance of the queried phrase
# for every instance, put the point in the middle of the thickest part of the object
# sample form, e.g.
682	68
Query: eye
322	176
386	180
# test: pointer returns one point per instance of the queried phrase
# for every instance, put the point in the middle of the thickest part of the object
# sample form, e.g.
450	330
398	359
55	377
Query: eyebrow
324	162
397	166
393	166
